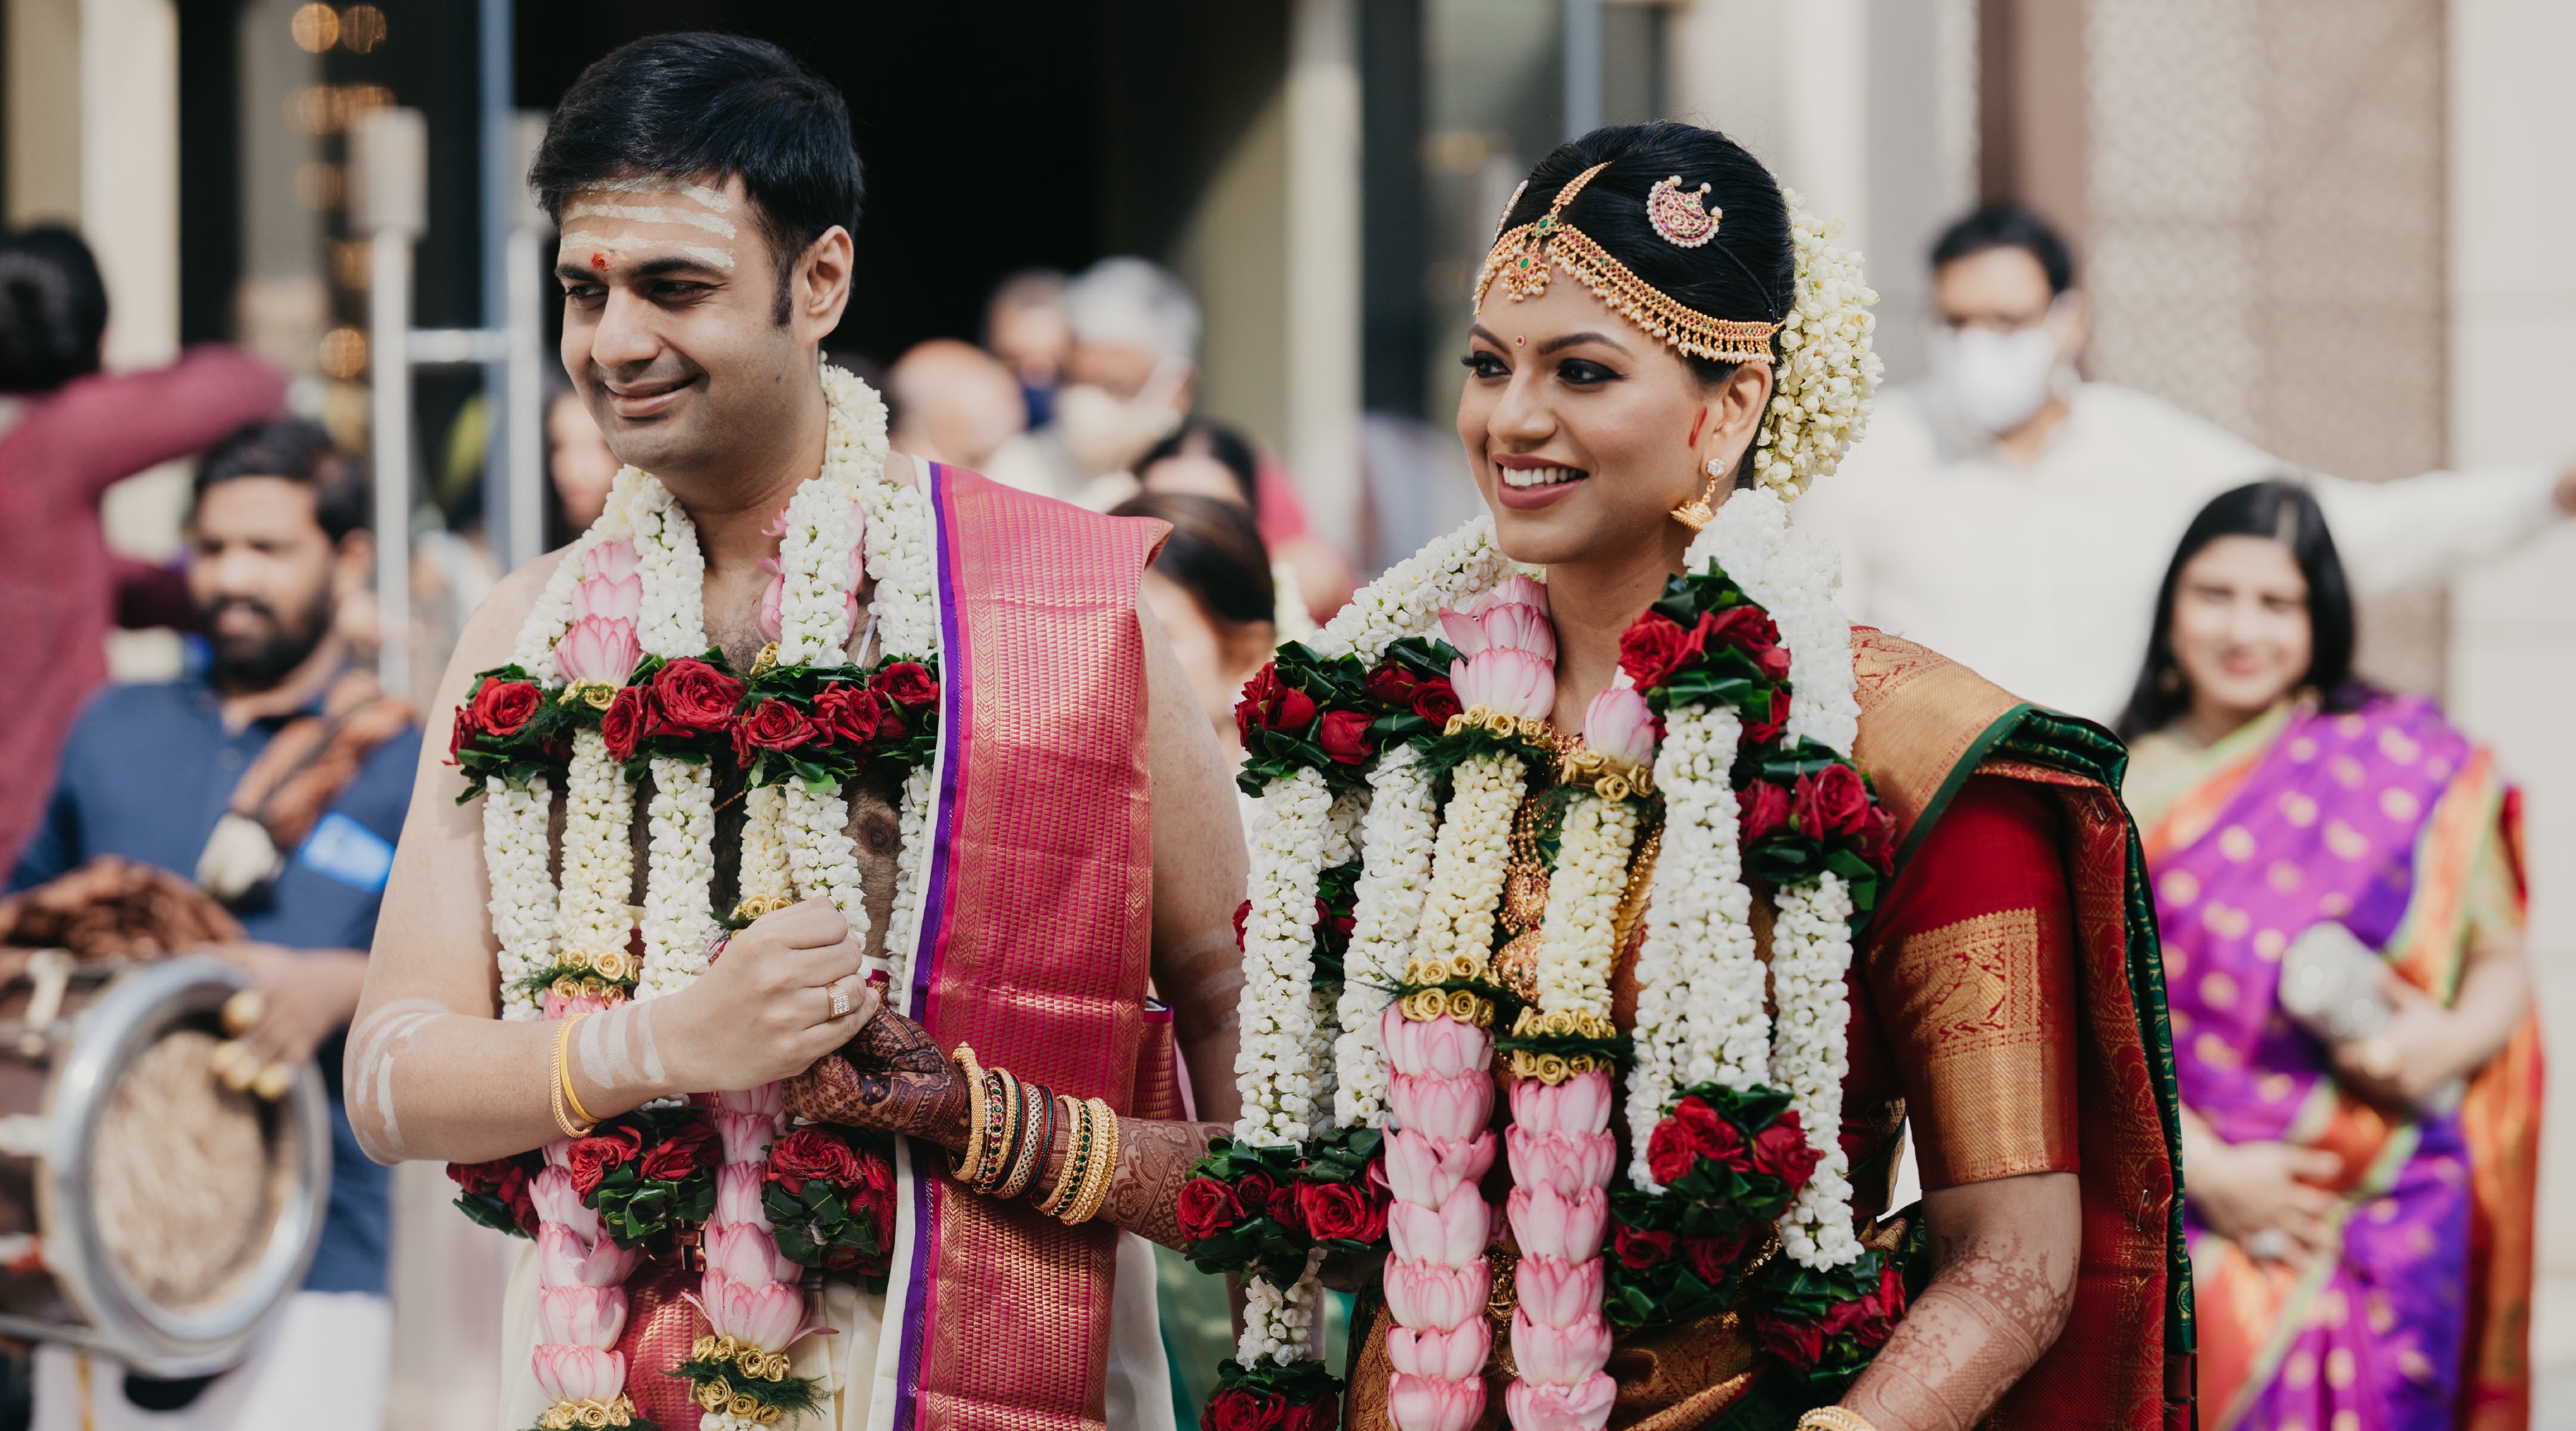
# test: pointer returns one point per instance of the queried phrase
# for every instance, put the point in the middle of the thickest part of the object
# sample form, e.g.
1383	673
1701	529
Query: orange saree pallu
1033	945
1961	989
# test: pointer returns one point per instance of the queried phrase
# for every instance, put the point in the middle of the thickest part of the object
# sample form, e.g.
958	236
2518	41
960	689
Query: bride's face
1585	431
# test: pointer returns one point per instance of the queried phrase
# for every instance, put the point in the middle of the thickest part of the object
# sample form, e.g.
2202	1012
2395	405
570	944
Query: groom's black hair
710	107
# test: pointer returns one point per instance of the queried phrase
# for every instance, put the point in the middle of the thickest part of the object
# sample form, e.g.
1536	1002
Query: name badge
348	852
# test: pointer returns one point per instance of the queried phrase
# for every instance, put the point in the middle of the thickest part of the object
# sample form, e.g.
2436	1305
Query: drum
148	1211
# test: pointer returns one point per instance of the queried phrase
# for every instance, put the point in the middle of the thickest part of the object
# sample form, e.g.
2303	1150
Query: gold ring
245	1008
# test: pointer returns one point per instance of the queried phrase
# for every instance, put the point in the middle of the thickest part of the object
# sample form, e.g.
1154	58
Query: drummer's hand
2265	1197
305	996
2417	1051
763	1009
892	1078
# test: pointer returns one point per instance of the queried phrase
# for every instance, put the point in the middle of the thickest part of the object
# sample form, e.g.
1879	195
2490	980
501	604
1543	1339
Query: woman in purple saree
2360	1162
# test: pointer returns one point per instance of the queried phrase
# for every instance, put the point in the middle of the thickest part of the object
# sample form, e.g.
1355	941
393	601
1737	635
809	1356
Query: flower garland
1826	369
607	684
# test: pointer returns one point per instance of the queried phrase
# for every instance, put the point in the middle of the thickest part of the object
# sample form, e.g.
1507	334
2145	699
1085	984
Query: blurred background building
2339	228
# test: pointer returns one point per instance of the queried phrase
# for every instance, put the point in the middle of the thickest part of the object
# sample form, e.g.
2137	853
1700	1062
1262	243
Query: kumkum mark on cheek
1697	420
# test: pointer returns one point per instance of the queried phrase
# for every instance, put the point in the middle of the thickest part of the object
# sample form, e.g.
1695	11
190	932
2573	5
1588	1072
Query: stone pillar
1323	263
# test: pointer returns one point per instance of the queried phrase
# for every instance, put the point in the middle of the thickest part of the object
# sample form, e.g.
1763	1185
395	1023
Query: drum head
177	1212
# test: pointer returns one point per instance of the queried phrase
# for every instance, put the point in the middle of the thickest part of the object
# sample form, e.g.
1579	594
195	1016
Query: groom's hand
765	1009
892	1078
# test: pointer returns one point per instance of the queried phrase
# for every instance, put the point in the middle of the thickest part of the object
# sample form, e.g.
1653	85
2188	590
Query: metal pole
525	467
1582	67
389	354
502	176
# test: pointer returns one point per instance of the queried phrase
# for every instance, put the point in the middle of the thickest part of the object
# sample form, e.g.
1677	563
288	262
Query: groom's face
680	332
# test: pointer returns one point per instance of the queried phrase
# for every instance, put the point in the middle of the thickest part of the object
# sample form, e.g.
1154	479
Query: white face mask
1997	381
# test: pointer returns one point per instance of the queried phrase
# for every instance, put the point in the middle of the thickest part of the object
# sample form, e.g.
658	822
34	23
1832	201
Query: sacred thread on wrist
971	1161
559	1083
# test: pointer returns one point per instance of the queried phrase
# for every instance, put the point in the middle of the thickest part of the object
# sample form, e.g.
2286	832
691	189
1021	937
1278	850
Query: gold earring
1701	510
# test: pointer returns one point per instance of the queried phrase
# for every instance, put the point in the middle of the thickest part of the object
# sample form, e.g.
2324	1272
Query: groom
705	188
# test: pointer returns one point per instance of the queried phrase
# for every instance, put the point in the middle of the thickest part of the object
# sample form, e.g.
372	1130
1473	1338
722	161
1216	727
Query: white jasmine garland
1409	597
1279	1322
903	921
592	916
1395	841
1811	952
1575	941
765	872
1825	372
515	831
1468	860
681	851
1279	962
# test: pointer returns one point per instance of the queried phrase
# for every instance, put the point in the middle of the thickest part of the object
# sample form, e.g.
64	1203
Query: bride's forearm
423	1080
1154	1159
2006	1256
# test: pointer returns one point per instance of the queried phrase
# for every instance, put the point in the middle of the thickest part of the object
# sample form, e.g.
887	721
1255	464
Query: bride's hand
892	1078
765	1009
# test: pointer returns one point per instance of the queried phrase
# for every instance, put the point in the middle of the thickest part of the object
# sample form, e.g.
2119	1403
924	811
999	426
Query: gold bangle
1834	1418
1077	1154
972	1161
572	1095
1003	1138
559	1082
1104	1165
1037	1130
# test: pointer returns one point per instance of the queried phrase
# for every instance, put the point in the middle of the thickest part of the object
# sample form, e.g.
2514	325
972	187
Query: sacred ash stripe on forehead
620	243
711	198
651	214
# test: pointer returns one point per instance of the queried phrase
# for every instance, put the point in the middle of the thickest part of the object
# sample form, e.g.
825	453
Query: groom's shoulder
492	633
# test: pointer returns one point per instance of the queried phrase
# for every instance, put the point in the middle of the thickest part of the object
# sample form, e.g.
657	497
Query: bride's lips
1545	482
649	399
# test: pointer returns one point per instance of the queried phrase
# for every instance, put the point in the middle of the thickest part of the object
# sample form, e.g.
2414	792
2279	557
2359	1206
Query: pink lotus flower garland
1437	1278
750	1291
581	1291
1562	1154
601	648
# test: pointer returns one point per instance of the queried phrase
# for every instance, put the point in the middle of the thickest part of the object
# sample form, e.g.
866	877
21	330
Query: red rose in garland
1393	686
1284	1209
503	1180
1652	648
695	697
690	1147
630	720
1710	1259
772	725
848	713
1321	1415
1747	629
1800	1344
1767	730
1641	1249
1762	808
1345	736
1833	801
1435	702
1242	917
1253	1190
811	1153
1270	704
501	707
1781	1150
594	1158
1241	1409
906	683
1875	840
1347	1209
1206	1208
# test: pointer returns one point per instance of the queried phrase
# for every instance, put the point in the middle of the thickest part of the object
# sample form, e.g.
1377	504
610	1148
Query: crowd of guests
2337	869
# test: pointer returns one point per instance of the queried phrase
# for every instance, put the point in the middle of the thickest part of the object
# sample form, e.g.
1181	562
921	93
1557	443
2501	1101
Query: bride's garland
612	680
1743	665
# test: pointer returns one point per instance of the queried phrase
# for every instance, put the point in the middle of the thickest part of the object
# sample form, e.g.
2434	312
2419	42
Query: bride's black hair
1747	272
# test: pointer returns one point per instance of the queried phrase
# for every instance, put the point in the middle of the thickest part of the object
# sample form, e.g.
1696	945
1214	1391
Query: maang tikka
1678	217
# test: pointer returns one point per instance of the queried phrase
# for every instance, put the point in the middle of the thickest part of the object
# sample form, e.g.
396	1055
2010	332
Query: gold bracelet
972	1162
572	1095
1003	1137
1037	1131
1104	1166
1834	1418
1077	1154
557	1083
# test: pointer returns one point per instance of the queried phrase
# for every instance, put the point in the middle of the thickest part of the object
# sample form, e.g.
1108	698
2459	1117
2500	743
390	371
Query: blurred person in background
1025	327
953	402
1210	590
2015	516
277	778
579	467
1209	459
67	433
2360	1233
1133	371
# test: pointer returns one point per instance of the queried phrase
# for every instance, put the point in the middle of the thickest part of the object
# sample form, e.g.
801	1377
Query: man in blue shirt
279	533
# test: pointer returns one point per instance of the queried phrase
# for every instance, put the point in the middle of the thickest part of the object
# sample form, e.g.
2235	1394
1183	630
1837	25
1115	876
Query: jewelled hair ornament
1520	259
1678	217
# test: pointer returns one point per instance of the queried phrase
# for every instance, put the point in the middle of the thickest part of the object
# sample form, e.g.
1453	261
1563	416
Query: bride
1617	908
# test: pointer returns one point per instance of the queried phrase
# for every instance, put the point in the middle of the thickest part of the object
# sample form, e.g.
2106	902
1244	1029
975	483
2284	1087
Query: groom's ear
818	287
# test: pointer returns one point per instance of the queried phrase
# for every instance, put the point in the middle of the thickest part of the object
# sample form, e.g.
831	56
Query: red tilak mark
1700	417
1517	341
599	261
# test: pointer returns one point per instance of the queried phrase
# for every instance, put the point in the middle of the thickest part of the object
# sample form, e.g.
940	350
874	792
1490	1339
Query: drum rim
157	1340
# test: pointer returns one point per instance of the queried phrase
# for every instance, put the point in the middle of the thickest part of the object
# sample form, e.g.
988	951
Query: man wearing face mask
2017	517
276	777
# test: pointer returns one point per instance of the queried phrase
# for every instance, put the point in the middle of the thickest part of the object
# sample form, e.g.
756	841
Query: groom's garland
613	680
1743	666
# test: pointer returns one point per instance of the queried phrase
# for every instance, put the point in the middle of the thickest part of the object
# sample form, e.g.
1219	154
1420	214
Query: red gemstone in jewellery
1678	217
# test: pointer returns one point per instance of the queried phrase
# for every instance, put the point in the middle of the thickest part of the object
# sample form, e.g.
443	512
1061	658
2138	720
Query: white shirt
2042	576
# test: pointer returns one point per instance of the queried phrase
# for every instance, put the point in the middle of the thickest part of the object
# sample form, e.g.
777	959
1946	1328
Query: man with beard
277	778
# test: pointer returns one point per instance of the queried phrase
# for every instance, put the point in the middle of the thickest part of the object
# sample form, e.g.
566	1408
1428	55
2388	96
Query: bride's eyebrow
1479	330
1570	339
